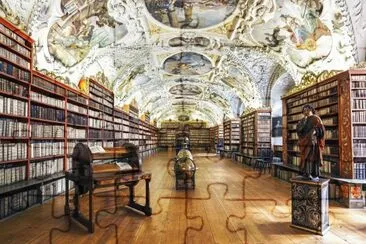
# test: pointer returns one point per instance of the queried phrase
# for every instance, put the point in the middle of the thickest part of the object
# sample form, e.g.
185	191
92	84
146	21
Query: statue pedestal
310	205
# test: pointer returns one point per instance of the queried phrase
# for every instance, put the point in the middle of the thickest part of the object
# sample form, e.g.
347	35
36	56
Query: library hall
183	121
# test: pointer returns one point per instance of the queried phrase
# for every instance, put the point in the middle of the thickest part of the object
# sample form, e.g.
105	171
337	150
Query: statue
310	130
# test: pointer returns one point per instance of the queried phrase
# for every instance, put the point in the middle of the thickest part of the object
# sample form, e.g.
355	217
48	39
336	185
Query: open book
96	149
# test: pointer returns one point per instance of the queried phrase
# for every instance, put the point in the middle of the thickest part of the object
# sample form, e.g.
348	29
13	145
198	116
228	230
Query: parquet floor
231	204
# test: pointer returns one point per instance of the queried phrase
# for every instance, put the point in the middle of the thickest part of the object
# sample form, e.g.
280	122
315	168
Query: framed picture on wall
277	127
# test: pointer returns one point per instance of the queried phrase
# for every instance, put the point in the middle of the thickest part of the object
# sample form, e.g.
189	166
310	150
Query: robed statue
310	130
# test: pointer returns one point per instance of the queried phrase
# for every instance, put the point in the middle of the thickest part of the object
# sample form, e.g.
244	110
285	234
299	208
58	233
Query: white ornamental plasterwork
130	13
252	12
40	14
354	13
18	12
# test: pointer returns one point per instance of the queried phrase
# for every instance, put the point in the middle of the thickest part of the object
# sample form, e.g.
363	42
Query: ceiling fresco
190	14
187	63
185	90
191	59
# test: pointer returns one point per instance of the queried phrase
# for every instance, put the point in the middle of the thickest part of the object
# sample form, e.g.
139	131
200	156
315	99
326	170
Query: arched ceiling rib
231	58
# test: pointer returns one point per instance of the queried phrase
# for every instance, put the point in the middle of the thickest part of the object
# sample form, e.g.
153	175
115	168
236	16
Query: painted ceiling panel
220	56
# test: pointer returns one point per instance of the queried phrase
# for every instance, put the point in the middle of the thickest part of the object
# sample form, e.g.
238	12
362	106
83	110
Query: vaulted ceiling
205	59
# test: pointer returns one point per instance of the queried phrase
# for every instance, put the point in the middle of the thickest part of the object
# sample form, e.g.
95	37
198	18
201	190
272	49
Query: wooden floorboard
231	204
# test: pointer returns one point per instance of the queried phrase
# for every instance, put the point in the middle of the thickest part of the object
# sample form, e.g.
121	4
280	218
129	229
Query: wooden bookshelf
340	101
213	138
231	136
199	138
256	133
140	133
43	119
277	151
216	136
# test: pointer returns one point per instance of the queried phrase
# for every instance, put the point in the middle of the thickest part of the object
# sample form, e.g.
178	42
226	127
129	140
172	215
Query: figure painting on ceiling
190	14
185	90
187	63
83	26
311	39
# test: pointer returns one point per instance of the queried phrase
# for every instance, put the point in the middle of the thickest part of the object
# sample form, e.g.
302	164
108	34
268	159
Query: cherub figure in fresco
305	34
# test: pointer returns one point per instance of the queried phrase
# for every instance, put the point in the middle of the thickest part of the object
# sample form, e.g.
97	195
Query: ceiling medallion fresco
191	14
185	80
187	63
298	29
71	38
185	90
188	41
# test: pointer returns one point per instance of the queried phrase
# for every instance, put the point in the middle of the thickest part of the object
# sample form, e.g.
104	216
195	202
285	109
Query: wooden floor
230	204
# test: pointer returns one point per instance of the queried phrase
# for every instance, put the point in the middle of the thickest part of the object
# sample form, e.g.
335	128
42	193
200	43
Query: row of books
96	123
359	131
96	134
359	93
48	86
45	168
13	88
359	148
96	105
15	58
108	125
359	104
248	151
12	34
118	120
318	91
294	160
10	205
102	100
71	96
76	119
46	148
70	146
13	128
359	171
76	133
14	71
13	106
42	130
14	45
96	114
108	144
10	174
99	91
331	150
359	116
13	151
35	96
52	189
95	143
47	113
330	121
264	144
331	133
316	104
108	117
358	79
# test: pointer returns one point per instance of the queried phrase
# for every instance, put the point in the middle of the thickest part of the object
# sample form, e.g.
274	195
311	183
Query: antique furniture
310	205
111	167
